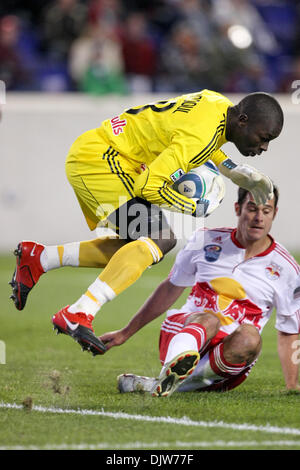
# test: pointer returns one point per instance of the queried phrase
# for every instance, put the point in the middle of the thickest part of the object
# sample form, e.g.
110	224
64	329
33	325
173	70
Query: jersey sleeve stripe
114	169
283	252
108	152
168	201
125	175
223	229
207	155
204	157
177	196
172	323
289	259
286	252
207	149
170	330
172	202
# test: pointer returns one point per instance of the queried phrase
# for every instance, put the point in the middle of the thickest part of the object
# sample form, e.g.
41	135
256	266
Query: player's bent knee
210	322
250	336
243	345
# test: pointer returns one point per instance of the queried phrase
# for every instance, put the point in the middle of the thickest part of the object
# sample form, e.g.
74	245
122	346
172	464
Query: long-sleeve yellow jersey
168	139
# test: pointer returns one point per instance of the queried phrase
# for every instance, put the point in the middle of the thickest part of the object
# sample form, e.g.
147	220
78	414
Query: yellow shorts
101	178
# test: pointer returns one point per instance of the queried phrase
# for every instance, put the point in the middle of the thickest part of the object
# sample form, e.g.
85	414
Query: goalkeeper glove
204	207
201	208
249	178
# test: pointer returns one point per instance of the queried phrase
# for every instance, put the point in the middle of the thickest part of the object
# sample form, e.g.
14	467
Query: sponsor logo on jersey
117	125
217	240
212	252
177	174
273	271
225	298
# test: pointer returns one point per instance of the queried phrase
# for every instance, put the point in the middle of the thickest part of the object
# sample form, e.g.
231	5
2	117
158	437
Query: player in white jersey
238	277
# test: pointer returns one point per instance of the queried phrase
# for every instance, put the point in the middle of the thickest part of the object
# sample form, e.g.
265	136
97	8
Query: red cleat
79	327
27	273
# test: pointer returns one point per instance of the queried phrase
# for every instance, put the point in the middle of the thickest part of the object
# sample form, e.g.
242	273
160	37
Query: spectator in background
162	15
107	12
251	77
241	12
150	34
62	23
96	63
12	69
296	42
186	64
197	14
290	77
139	54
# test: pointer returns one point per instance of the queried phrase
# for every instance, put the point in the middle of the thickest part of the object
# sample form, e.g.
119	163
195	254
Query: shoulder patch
212	252
177	174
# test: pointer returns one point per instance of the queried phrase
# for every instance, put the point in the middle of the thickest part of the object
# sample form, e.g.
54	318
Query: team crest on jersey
177	174
273	271
212	252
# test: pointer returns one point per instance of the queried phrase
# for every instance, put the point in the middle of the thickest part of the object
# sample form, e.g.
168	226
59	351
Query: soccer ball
198	182
204	182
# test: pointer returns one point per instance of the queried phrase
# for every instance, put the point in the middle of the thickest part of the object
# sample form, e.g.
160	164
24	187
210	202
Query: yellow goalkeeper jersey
167	139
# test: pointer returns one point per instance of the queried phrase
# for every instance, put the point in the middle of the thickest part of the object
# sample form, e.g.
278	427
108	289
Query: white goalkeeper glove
247	177
215	195
212	199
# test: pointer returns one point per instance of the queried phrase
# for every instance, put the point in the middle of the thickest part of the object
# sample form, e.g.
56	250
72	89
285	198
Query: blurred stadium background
69	64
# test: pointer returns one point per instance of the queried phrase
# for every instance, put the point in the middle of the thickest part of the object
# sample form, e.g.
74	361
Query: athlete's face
252	140
254	222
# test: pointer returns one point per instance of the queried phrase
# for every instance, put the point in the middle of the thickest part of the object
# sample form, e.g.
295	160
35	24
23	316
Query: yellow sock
91	254
129	262
97	253
124	268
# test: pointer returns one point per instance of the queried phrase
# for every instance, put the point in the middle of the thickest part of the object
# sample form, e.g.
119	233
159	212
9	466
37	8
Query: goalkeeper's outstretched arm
247	177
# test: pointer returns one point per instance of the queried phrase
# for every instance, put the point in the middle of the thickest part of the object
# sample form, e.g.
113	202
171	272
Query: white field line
157	445
184	421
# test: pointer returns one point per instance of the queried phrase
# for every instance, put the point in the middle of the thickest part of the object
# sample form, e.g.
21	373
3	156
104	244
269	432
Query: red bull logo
273	271
227	307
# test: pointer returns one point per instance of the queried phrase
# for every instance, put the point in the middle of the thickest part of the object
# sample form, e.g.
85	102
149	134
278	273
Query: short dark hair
242	194
263	107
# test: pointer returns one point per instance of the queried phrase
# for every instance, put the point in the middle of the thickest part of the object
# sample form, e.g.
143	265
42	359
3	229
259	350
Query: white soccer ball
204	182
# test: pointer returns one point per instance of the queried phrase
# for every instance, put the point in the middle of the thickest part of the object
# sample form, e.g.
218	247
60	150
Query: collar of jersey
263	253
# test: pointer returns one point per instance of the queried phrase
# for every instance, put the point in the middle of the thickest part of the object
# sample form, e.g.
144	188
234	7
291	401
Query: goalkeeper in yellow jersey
130	162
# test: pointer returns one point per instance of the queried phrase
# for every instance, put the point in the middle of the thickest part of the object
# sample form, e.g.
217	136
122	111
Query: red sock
221	366
199	333
190	338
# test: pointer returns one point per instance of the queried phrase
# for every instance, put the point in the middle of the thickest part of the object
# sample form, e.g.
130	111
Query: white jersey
234	289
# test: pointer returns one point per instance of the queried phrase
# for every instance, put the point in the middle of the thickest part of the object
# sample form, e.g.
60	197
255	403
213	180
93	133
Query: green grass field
45	373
